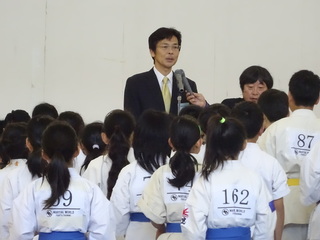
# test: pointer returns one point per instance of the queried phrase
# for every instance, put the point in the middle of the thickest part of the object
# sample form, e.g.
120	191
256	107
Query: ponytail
118	127
184	134
92	143
35	163
182	165
225	139
118	150
59	144
58	177
150	139
35	128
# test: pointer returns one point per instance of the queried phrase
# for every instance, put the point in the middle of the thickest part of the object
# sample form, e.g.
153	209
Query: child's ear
76	153
170	144
28	144
45	157
104	137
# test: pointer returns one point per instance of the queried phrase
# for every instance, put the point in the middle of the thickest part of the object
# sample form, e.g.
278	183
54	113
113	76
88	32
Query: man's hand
196	99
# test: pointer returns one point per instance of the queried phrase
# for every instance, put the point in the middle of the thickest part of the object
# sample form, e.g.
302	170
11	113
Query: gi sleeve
102	222
151	202
120	200
24	215
195	214
310	176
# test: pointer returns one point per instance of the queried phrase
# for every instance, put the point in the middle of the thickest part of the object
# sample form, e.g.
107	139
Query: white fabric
79	160
98	172
13	164
289	140
310	186
200	156
82	208
233	196
12	185
267	167
163	203
125	195
99	168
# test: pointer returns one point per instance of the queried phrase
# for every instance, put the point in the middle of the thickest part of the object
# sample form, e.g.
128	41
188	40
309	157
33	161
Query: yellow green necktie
166	94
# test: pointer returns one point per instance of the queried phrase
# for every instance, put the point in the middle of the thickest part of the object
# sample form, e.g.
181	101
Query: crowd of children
211	172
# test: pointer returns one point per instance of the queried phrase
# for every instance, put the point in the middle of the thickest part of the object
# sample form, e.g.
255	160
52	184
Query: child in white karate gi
228	198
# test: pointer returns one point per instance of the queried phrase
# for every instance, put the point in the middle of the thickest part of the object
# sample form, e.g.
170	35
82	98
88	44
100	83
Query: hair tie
95	146
222	120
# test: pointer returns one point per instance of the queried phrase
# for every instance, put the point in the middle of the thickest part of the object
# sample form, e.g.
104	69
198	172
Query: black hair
225	140
191	110
184	134
163	33
4	159
212	110
274	104
91	140
13	141
45	109
118	127
74	119
18	115
304	87
250	115
59	144
150	139
255	73
35	128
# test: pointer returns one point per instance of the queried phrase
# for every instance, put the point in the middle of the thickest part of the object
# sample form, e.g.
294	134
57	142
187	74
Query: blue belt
138	217
62	236
272	207
173	228
233	233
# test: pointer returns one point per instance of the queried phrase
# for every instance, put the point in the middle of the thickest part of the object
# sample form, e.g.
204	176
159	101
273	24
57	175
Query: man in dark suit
143	90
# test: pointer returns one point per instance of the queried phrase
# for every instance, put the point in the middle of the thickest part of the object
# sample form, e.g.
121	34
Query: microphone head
179	77
179	71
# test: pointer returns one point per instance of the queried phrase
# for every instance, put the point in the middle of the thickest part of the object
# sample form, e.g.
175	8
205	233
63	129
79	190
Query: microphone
184	80
178	76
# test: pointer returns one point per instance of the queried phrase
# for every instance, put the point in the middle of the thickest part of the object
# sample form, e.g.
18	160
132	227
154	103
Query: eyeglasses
168	47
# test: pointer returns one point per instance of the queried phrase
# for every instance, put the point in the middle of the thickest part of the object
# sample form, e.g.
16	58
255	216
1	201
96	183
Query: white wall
77	54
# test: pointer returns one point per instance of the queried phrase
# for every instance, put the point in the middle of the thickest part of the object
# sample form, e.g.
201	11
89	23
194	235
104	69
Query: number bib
173	194
233	202
65	206
137	188
301	143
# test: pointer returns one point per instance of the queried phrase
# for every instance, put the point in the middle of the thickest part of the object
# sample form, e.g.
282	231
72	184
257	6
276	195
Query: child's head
90	138
91	142
191	110
185	138
74	119
118	121
18	115
35	129
184	134
13	141
150	139
45	109
59	143
226	137
304	88
117	131
60	146
251	116
212	110
274	104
